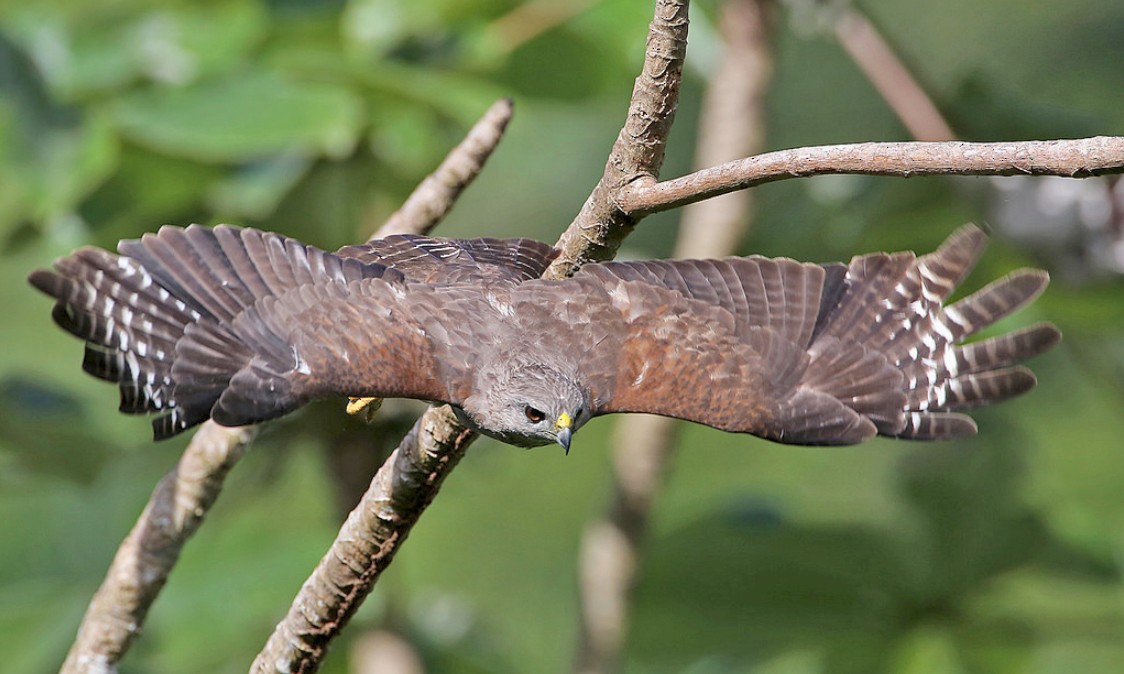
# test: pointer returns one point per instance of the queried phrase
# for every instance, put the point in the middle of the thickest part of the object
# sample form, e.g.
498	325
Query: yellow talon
364	406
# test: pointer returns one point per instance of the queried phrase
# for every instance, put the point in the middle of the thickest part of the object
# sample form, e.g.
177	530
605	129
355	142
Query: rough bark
601	225
1078	158
145	558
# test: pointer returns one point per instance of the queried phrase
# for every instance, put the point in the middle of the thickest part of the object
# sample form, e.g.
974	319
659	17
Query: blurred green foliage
999	555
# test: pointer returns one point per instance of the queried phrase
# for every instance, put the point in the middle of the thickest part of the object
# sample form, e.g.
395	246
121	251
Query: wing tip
1045	336
1030	282
969	235
937	426
47	282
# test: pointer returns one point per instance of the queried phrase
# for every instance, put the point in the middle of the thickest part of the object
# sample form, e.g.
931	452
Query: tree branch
599	228
434	197
409	479
366	544
405	485
1080	158
894	82
146	556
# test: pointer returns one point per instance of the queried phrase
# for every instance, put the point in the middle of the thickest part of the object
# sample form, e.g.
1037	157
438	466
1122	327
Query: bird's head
527	405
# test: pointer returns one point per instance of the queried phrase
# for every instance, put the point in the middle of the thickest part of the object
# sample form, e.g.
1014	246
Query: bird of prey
240	326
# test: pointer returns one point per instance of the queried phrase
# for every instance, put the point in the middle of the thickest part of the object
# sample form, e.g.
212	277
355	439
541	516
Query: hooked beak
564	430
563	439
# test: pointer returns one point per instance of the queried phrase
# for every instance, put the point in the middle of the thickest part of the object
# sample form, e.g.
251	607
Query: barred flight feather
158	320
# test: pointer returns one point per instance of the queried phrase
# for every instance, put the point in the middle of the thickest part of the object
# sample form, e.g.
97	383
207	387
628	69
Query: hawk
240	326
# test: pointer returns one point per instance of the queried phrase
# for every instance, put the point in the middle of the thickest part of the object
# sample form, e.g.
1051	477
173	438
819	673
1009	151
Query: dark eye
533	415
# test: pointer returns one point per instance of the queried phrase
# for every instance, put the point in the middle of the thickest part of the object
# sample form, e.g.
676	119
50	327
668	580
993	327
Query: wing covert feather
440	260
363	338
690	359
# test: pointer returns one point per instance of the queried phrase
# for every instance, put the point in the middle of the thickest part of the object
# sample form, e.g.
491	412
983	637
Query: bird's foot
364	407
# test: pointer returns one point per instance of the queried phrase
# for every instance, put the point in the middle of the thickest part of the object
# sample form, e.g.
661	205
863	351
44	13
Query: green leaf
86	53
928	650
254	191
765	588
243	116
51	155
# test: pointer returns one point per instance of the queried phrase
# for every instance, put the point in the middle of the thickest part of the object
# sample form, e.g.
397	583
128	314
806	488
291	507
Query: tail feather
165	268
945	269
127	320
871	280
973	390
232	242
815	418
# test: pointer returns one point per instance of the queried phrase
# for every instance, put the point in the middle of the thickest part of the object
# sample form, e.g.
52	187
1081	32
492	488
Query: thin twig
405	485
731	125
434	197
1079	158
147	555
894	82
527	21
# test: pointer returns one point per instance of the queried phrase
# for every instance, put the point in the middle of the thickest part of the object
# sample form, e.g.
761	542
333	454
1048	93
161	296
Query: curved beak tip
563	438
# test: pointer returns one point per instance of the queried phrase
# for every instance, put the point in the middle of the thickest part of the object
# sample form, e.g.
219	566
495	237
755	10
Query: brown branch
731	124
1079	158
409	479
894	82
352	456
148	553
366	544
527	21
405	485
434	197
599	228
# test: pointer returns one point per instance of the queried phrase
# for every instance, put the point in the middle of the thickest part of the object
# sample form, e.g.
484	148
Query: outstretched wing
811	354
438	260
243	326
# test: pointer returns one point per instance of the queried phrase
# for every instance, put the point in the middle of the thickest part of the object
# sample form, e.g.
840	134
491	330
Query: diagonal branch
601	225
407	483
409	479
1079	158
184	496
434	197
366	544
889	75
146	556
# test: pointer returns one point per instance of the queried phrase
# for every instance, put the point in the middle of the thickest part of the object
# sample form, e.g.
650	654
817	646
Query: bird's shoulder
451	261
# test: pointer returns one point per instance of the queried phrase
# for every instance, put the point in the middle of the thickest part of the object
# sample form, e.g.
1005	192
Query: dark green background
999	555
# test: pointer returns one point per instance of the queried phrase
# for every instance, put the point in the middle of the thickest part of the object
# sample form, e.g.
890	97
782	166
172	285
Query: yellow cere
564	421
